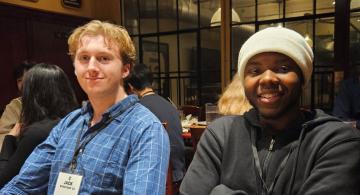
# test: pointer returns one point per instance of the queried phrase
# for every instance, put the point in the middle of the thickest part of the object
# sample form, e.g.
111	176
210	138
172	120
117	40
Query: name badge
68	184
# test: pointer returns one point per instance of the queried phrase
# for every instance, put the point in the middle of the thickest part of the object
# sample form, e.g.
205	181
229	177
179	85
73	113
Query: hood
317	117
314	117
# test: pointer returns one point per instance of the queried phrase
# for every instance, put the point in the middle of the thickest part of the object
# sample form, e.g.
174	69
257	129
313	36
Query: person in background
347	104
112	144
11	114
277	147
140	83
43	107
233	101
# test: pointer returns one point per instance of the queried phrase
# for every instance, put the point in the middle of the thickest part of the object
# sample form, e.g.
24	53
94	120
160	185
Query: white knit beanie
280	40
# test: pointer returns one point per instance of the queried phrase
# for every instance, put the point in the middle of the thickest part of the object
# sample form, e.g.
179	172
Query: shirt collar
120	106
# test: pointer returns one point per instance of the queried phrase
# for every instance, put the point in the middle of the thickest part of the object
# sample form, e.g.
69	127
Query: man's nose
93	63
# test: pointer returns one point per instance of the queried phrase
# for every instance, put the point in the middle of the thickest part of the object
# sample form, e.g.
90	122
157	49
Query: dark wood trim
342	31
225	33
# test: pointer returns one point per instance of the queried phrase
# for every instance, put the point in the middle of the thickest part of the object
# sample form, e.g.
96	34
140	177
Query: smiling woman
273	85
276	148
275	73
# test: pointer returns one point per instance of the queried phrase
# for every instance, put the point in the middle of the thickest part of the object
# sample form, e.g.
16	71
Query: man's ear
126	70
131	87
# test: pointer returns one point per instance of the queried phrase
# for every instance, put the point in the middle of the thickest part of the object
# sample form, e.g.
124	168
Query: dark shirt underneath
166	112
347	102
13	154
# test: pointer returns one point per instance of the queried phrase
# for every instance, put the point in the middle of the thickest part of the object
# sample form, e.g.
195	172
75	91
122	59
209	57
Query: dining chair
169	182
196	132
190	109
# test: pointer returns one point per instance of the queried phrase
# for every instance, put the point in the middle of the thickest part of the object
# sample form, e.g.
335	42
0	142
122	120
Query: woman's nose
269	78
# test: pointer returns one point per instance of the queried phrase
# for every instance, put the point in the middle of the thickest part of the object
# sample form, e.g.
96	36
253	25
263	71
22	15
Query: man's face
99	68
19	82
273	84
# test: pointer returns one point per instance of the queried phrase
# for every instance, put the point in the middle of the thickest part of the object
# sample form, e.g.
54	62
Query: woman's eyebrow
253	62
282	60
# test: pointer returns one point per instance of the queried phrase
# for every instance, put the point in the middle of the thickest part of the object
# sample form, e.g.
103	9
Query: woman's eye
283	69
253	71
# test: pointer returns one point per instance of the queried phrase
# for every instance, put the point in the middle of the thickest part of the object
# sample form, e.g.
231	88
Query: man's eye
84	58
104	59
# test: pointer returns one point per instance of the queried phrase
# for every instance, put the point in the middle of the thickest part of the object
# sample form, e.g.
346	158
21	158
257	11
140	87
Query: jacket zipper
267	158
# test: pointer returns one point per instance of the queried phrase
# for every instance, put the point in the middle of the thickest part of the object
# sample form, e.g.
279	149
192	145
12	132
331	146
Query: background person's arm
34	174
148	162
343	102
7	150
12	158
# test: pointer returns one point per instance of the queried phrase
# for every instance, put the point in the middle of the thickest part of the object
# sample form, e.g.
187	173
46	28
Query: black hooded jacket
322	156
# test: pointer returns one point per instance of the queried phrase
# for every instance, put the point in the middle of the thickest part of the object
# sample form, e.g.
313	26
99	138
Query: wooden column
342	31
225	42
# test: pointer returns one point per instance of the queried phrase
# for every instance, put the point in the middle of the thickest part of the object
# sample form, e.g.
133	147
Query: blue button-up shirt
129	156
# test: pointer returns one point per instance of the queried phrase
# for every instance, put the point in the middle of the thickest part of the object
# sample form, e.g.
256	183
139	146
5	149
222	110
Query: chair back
169	181
196	132
190	109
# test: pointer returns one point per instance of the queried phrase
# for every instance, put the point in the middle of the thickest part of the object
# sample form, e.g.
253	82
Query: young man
112	145
276	148
140	82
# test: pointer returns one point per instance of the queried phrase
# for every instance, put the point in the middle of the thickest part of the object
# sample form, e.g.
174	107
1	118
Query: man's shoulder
156	101
15	104
140	114
159	106
16	101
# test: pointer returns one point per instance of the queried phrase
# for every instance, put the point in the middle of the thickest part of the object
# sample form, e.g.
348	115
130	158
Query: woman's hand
15	131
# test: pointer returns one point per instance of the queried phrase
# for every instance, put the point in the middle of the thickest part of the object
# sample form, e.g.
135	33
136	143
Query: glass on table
211	112
352	123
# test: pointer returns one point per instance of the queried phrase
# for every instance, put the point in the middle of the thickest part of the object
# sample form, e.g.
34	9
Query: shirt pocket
104	163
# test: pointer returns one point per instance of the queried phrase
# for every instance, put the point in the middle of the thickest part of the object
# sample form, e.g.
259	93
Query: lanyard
95	130
265	189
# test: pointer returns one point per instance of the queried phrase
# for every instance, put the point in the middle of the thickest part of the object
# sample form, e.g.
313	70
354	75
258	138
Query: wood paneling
37	36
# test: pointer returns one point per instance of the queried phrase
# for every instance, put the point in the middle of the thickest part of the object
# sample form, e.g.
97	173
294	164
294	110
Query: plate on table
202	123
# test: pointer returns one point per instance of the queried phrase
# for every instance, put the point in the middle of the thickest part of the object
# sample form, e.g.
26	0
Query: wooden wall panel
37	36
13	49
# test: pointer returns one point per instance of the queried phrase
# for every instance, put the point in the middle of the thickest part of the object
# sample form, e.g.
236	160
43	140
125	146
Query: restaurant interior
191	46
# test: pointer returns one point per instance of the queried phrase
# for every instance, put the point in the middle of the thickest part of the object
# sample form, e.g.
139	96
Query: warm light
216	18
308	40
